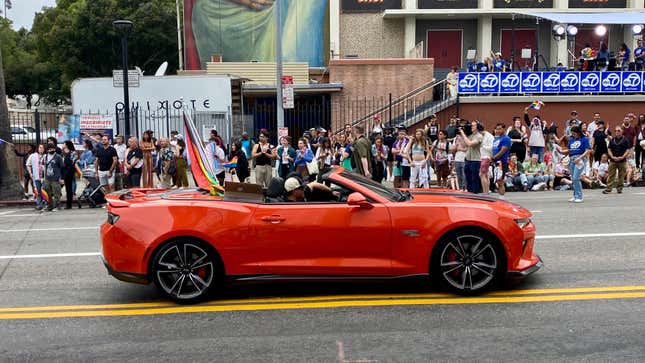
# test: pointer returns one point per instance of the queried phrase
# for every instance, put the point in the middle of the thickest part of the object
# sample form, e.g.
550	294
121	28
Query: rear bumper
520	274
126	276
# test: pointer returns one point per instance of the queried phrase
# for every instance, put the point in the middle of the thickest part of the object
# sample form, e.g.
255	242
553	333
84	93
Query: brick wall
376	79
368	35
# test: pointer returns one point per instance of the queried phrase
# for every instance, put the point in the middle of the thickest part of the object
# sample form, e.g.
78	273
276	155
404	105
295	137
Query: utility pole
277	15
179	41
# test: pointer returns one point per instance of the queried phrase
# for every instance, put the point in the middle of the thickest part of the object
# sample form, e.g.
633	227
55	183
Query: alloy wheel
468	263
184	271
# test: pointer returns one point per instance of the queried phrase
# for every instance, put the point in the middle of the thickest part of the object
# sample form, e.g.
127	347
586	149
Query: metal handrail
396	101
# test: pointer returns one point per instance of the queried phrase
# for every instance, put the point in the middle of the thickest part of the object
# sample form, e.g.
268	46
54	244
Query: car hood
434	196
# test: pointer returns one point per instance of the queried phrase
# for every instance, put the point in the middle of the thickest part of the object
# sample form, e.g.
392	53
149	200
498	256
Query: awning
627	17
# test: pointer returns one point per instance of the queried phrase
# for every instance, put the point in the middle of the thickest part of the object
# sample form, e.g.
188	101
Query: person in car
297	191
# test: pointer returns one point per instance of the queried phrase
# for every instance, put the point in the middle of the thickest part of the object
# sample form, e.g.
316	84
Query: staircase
411	108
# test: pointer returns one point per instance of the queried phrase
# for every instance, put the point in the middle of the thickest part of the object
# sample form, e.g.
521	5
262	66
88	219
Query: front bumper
125	276
523	273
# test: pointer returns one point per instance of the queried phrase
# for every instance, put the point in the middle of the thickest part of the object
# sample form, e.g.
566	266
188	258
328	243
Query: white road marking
21	215
48	229
537	211
591	235
7	212
45	255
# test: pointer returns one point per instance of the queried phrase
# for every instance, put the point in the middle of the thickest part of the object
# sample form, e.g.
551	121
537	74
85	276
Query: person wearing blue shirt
578	150
499	65
501	151
303	156
602	58
639	55
472	66
483	66
560	68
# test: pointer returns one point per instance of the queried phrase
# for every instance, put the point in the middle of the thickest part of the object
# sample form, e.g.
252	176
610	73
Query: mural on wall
244	31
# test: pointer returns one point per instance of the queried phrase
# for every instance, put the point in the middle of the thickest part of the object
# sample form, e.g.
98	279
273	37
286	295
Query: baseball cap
292	184
322	130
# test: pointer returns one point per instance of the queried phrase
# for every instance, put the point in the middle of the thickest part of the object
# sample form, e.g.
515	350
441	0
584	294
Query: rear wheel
468	262
185	270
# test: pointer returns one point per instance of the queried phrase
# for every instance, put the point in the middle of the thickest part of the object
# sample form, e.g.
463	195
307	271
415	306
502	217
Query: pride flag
232	163
201	169
77	170
536	105
44	195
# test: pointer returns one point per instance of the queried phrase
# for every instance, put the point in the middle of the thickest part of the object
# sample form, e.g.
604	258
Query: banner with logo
552	82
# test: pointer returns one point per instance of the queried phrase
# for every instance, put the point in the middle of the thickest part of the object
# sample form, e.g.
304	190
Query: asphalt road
586	304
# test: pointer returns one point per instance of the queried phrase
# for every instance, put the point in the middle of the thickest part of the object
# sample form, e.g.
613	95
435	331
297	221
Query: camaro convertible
189	243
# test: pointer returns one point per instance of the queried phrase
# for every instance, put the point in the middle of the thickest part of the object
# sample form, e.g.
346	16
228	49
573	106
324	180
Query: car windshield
392	194
29	129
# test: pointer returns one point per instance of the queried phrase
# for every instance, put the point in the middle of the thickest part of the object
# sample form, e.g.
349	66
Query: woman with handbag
286	155
304	158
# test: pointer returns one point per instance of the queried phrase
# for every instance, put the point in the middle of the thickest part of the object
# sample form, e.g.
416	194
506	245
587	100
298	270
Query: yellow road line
323	305
274	300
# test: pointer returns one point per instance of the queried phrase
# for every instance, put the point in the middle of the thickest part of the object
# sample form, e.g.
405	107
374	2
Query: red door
445	47
524	39
585	36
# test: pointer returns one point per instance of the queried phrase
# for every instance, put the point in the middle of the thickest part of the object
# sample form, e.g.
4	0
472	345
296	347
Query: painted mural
244	31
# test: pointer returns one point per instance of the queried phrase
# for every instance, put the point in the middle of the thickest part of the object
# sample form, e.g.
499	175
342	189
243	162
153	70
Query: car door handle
273	219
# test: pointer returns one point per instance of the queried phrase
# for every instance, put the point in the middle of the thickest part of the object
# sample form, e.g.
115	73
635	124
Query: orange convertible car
188	242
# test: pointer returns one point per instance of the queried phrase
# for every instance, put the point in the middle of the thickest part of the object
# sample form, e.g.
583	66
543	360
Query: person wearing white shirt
120	148
486	158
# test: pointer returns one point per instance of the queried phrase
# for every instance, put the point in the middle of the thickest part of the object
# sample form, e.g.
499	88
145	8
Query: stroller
93	193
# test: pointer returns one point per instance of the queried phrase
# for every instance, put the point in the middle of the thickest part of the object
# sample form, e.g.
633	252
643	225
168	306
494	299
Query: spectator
629	131
120	148
315	140
105	163
263	155
499	65
53	140
68	171
535	173
624	53
562	175
147	147
602	58
517	133
593	125
639	55
133	164
53	176
23	161
451	129
247	145
572	121
380	151
600	169
389	138
377	129
303	156
501	150
578	150
35	163
348	130
181	175
214	136
515	177
599	140
242	165
286	154
560	68
432	128
167	163
442	155
362	152
640	137
473	157
87	157
619	151
459	148
324	156
536	138
419	151
452	79
401	170
486	158
485	65
216	156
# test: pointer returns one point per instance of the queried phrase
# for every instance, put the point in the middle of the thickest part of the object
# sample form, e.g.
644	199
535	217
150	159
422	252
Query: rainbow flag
201	169
77	170
536	105
232	163
44	195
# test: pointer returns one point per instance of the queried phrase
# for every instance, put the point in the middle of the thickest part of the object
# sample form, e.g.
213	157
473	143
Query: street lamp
124	27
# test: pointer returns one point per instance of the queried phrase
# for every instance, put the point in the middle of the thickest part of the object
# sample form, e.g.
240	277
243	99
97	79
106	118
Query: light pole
277	17
124	27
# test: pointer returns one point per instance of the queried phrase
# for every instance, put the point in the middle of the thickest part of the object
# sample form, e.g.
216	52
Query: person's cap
320	129
292	184
498	53
312	129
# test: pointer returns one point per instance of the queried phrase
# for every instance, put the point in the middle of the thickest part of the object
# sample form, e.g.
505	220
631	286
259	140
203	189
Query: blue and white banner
552	82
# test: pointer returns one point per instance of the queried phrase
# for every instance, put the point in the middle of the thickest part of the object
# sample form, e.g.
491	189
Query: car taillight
112	218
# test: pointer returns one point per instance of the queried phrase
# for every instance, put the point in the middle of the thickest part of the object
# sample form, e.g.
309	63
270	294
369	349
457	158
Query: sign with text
552	82
528	4
369	6
447	4
287	92
133	78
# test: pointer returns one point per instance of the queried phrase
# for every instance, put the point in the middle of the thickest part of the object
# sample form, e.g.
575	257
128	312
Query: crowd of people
528	155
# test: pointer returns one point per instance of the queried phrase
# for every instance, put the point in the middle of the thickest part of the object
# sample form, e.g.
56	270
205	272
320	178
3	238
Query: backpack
172	168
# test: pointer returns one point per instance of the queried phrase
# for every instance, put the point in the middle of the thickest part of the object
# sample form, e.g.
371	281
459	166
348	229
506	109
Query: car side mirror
359	200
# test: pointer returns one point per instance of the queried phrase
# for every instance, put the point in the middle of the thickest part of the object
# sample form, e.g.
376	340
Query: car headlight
112	218
523	222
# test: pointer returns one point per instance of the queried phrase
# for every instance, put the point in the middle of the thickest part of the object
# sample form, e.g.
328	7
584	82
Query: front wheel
468	262
184	270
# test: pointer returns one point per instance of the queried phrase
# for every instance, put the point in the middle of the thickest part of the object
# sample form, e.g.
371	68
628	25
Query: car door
324	239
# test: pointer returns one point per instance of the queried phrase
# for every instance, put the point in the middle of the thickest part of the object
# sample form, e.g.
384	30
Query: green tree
77	39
